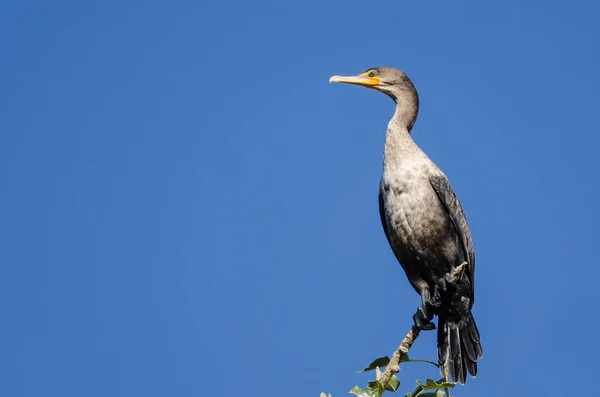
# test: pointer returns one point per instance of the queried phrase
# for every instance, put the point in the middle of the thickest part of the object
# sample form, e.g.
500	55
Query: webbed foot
422	320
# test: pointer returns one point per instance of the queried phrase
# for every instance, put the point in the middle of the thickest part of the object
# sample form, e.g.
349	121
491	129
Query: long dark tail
458	346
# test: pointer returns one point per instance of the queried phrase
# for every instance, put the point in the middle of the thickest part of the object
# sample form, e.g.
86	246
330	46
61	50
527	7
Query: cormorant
426	228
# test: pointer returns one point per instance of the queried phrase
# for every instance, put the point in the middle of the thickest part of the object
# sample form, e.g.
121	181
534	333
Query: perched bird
426	228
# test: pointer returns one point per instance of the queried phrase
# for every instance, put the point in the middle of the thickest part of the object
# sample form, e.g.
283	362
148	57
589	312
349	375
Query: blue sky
189	208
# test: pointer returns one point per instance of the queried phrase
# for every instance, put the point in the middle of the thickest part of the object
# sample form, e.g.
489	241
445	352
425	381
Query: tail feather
473	331
457	370
469	347
459	347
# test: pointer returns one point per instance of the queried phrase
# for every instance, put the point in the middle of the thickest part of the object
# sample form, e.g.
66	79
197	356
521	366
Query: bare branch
394	366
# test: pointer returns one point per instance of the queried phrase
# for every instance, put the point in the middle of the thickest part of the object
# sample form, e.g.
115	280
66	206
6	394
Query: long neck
407	108
399	144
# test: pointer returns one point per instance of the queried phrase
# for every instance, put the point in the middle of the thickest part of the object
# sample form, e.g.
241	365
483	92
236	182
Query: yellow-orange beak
361	79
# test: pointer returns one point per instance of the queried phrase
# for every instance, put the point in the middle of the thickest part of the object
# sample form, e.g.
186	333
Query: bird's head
390	81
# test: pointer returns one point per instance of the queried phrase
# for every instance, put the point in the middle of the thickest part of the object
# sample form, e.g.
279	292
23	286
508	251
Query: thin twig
457	271
393	366
446	380
423	361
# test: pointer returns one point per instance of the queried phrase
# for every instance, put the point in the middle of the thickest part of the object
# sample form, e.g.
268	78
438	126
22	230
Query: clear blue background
189	208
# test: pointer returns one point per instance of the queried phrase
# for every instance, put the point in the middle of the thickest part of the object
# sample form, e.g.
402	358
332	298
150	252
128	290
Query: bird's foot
422	320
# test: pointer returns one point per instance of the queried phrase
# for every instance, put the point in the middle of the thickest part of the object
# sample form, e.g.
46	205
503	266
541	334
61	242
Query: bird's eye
372	74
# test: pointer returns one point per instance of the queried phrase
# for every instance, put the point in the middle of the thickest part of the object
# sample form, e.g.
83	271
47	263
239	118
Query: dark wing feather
454	210
382	216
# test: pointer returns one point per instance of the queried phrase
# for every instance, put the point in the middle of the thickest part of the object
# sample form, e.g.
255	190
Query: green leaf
374	389
380	362
433	385
393	384
437	393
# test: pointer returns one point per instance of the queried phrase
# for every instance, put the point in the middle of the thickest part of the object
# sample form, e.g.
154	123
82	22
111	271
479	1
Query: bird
426	228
